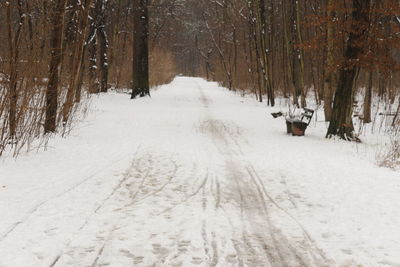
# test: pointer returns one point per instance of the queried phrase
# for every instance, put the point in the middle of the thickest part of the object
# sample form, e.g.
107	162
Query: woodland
199	133
55	54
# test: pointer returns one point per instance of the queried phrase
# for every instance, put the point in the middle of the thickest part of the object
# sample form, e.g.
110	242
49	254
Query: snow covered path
196	176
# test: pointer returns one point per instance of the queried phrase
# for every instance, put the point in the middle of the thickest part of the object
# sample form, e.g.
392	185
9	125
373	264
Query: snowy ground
196	176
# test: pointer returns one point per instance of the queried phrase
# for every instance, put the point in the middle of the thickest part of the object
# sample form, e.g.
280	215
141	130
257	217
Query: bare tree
140	49
56	54
341	123
14	43
77	61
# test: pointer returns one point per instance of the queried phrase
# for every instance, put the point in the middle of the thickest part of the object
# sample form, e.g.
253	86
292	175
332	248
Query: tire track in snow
95	211
225	140
262	191
220	139
206	243
233	212
100	252
215	257
70	189
196	192
243	241
236	174
134	194
134	167
281	258
311	243
219	131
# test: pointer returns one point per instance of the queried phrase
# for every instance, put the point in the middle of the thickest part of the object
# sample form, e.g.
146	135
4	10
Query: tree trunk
300	57
74	89
115	40
291	51
140	49
13	42
382	85
103	49
94	86
264	40
56	54
341	123
288	52
330	79
368	99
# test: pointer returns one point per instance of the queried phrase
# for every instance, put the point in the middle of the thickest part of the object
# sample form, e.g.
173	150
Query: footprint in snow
197	260
232	258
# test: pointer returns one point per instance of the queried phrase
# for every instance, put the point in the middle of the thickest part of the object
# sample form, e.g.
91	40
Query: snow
197	176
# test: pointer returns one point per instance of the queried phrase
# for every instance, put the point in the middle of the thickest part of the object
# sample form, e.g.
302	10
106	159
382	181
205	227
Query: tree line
326	51
54	53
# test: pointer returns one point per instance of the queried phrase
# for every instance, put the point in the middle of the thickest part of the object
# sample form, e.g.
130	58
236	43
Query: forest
203	133
340	55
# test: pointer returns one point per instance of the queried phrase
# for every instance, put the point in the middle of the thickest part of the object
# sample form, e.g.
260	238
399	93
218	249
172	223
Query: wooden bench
298	126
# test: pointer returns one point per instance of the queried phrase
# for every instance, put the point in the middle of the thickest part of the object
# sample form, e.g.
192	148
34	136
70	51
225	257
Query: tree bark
94	86
264	40
13	42
56	54
74	88
368	99
140	49
300	57
289	52
103	49
341	123
330	79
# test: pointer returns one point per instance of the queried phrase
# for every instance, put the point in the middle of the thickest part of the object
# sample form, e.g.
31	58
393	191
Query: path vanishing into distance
196	176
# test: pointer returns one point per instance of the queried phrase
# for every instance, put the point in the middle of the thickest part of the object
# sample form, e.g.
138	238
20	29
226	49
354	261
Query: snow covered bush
391	156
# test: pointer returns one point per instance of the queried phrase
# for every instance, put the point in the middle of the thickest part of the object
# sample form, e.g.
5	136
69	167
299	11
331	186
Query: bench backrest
308	114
